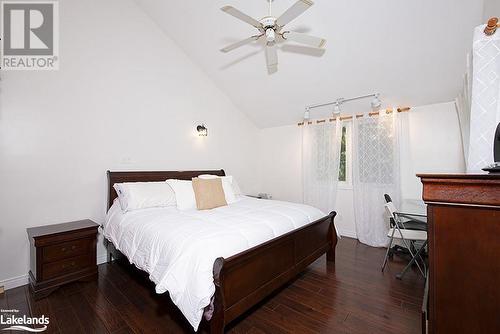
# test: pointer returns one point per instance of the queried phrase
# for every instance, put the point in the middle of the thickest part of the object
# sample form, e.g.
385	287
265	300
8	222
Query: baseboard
102	258
348	233
16	282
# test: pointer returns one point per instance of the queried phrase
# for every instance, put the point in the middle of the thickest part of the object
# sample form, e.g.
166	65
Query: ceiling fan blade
242	16
298	37
272	57
240	43
298	8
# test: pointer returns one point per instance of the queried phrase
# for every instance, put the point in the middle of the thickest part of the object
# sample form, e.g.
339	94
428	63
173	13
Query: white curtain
463	106
375	173
485	110
320	163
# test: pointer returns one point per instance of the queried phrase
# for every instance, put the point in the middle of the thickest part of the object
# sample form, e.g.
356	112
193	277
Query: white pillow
142	195
184	194
236	188
227	186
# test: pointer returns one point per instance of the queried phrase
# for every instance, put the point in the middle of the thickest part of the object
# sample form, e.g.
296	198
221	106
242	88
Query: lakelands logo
16	322
30	35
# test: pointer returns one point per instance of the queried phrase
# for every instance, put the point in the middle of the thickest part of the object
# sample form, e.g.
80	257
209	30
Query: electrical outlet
2	290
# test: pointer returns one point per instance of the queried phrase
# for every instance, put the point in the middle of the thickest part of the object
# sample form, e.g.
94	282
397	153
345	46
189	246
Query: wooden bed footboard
246	278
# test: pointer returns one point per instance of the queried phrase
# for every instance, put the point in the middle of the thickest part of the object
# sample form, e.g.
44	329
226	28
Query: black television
496	145
495	167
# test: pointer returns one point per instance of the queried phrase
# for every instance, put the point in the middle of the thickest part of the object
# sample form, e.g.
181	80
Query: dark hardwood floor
352	296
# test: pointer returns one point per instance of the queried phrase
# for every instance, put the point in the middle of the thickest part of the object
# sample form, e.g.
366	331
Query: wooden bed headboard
119	177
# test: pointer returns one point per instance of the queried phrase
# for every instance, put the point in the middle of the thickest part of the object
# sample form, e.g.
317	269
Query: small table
60	254
412	206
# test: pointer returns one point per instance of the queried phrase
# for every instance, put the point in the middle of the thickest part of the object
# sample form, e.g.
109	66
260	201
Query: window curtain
463	106
320	163
485	110
375	173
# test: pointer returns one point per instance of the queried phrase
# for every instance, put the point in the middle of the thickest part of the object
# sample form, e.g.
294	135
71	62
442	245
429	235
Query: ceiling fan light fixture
270	35
270	27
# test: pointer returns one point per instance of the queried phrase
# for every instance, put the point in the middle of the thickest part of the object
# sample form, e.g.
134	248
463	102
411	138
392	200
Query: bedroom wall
491	8
432	144
125	98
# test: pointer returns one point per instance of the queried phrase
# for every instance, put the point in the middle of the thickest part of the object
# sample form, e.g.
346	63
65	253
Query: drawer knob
72	264
73	247
63	249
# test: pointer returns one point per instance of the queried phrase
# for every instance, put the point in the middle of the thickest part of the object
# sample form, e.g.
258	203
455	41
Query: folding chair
408	237
409	221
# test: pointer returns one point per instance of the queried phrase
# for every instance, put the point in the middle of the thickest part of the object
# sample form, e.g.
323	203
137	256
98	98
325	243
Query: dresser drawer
66	250
67	266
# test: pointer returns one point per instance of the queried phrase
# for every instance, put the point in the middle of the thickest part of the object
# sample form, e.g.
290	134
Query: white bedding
178	248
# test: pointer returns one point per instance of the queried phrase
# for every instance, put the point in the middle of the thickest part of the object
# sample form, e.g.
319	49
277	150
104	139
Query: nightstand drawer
63	267
66	250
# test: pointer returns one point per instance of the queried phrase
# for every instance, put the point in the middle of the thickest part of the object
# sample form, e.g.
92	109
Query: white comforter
178	248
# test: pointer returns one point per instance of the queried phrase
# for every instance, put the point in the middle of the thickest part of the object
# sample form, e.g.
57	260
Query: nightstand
61	254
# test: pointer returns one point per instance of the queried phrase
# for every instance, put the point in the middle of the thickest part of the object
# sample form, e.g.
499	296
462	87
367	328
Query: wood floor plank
106	312
87	314
133	316
67	319
160	311
42	307
3	300
351	296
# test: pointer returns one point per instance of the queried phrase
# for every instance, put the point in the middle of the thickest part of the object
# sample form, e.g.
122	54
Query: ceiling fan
271	29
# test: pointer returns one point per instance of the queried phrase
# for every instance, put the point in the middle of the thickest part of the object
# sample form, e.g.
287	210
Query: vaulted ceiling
412	52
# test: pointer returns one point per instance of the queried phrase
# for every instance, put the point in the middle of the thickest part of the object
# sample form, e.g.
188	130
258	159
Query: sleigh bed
246	278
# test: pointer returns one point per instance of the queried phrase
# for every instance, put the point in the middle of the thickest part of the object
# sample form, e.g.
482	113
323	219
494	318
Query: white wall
491	9
432	144
125	98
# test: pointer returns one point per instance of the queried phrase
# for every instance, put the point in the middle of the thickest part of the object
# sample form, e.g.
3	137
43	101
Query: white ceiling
412	52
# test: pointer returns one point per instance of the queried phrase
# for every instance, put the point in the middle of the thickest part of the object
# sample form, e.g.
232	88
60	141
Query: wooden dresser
464	253
61	254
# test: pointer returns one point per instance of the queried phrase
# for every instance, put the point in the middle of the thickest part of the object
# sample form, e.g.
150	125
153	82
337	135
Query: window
345	170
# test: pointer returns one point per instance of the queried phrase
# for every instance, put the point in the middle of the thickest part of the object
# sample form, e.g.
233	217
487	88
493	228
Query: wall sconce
202	130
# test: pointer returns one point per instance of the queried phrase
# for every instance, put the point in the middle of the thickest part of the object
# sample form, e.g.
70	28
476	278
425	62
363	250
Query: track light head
307	114
376	103
336	108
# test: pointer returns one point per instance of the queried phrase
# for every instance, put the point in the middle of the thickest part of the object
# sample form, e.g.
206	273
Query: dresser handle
72	264
73	247
63	249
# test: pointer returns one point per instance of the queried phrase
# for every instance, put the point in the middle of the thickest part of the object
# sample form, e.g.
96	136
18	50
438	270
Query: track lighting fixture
307	114
336	108
376	103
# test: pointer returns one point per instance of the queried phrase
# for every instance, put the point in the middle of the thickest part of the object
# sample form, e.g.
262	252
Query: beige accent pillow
209	193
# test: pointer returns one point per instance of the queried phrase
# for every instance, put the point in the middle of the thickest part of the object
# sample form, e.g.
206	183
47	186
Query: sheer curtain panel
320	163
375	173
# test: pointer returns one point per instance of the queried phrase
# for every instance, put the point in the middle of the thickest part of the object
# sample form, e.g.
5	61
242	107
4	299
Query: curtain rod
344	118
492	26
